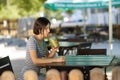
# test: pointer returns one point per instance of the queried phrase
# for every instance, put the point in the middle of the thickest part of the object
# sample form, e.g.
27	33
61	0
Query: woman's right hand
60	59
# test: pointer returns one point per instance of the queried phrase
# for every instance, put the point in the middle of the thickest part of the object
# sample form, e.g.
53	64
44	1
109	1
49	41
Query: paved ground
17	55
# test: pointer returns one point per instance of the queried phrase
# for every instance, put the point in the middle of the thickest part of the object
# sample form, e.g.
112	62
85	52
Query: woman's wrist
53	51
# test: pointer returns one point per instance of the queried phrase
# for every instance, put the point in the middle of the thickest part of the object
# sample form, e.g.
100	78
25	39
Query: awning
78	4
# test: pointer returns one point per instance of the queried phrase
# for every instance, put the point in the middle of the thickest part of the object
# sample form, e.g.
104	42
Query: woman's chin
46	36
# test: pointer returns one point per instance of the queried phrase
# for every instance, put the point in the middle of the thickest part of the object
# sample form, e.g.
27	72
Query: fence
8	27
16	28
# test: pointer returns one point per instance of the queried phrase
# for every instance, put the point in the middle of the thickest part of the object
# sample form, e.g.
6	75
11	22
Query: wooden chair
77	40
83	43
91	52
5	64
86	45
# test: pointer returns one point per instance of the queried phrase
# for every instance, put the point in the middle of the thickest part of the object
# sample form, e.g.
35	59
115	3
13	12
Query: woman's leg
30	75
97	74
116	73
53	74
75	74
7	75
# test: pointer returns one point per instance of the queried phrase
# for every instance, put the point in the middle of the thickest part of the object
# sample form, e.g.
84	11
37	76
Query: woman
37	49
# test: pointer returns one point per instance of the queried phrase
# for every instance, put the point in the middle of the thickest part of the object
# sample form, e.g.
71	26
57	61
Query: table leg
105	74
61	51
86	73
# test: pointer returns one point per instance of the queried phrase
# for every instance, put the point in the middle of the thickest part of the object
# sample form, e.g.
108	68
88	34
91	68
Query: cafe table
82	62
65	45
66	37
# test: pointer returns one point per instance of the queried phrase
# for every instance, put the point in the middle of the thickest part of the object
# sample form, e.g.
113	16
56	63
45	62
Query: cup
53	41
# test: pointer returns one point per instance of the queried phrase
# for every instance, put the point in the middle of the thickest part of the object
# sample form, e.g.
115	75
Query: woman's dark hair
40	24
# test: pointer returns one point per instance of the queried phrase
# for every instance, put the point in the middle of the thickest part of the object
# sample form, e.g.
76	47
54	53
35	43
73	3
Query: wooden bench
91	52
86	45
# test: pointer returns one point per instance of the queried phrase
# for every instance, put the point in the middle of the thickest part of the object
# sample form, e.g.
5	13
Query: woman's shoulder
31	39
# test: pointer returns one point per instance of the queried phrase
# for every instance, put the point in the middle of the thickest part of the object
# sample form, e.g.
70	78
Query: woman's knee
53	74
97	74
7	75
75	74
30	75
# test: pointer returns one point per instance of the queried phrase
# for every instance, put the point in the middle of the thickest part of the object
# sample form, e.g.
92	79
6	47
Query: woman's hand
52	52
55	49
60	59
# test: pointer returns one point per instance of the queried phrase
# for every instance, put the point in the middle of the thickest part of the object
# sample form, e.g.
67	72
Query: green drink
53	41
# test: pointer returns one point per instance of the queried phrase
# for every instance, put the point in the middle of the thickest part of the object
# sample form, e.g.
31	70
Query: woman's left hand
55	49
52	52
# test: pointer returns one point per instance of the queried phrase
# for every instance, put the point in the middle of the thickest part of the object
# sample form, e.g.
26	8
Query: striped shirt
41	50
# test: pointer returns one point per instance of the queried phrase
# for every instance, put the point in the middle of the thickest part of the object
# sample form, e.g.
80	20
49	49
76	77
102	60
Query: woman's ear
41	31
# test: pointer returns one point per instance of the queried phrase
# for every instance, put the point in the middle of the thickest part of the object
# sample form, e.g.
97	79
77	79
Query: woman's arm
52	52
38	61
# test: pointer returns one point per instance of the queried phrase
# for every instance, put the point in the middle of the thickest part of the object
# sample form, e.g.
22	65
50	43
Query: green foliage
9	13
29	7
19	8
53	14
2	3
14	9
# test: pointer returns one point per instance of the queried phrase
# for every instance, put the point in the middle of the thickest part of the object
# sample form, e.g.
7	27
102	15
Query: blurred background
88	19
18	17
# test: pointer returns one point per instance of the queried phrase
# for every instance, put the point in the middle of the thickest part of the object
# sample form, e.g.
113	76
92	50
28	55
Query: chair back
86	45
5	64
91	52
77	40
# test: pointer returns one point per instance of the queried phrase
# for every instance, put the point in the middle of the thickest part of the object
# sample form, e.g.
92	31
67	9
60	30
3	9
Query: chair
5	64
91	52
86	45
77	40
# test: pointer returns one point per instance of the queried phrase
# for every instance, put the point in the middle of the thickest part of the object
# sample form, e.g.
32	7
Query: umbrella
84	4
79	4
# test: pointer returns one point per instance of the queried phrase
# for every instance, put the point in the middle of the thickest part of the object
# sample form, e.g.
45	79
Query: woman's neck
38	37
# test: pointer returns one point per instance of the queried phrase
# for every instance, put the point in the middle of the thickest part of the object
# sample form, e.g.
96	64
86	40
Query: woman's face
46	30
